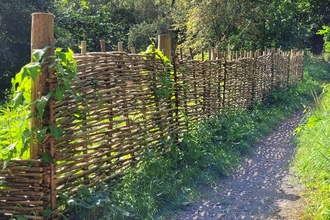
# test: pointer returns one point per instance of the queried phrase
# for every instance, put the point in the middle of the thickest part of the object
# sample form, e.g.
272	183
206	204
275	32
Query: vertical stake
164	43
42	34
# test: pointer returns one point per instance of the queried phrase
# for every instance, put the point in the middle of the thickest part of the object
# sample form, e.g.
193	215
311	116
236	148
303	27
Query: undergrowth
161	185
312	160
14	122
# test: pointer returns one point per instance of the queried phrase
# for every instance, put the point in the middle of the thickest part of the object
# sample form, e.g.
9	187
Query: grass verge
312	159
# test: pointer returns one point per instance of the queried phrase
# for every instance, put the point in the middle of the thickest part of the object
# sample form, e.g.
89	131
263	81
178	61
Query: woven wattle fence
132	104
24	189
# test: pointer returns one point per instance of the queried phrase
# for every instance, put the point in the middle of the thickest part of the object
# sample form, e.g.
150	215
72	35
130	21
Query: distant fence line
134	103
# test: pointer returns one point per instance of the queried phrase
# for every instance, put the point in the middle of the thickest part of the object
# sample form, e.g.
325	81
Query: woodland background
227	24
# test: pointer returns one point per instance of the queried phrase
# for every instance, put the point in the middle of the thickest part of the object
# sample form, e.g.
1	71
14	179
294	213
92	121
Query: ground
263	186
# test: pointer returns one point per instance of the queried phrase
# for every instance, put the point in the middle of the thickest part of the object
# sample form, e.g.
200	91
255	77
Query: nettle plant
65	70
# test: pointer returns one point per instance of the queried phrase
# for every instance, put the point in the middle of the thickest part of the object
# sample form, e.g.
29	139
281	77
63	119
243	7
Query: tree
92	21
15	25
242	24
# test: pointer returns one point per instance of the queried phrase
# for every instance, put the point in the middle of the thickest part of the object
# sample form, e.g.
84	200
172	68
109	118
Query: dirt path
263	187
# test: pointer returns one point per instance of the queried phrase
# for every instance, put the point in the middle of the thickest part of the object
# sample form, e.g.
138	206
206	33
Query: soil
263	186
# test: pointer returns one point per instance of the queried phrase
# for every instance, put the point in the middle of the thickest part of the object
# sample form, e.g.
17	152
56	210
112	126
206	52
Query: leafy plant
325	31
166	79
65	67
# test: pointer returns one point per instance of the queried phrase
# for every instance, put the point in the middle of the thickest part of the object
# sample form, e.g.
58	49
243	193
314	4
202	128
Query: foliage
17	111
234	25
139	35
312	159
325	31
90	203
92	22
316	68
230	25
14	122
15	39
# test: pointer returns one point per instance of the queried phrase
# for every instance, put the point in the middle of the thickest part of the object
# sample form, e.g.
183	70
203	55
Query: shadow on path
258	189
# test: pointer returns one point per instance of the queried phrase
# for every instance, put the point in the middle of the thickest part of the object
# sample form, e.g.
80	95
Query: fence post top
43	13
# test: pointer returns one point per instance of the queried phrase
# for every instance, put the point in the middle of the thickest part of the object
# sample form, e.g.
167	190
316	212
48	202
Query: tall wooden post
42	32
164	44
42	35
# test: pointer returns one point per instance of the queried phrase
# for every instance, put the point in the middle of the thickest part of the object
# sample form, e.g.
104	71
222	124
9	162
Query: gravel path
263	187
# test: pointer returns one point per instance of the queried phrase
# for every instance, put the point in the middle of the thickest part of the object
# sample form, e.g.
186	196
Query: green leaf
38	53
59	93
67	82
6	161
12	146
26	137
167	94
56	131
21	217
47	213
62	56
19	77
46	157
41	104
34	70
18	99
76	97
41	133
70	51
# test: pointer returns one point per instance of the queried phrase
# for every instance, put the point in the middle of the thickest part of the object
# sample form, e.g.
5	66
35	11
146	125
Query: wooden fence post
120	46
164	44
42	32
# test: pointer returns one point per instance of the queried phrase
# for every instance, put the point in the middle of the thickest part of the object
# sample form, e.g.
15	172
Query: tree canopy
228	24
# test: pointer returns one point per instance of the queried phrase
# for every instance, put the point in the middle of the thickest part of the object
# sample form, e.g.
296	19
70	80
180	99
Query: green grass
312	161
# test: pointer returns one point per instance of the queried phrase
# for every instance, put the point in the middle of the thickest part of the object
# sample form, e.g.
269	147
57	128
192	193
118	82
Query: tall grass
312	161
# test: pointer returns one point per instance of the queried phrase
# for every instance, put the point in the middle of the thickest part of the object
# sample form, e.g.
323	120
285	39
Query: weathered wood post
42	32
272	69
42	35
120	46
164	44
